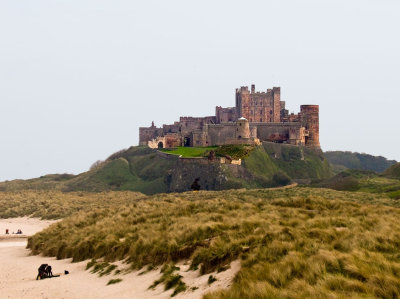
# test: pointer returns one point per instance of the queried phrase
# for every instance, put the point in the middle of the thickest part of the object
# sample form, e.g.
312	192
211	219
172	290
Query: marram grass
293	243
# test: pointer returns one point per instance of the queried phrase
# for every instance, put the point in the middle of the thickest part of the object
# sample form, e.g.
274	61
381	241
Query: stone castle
257	117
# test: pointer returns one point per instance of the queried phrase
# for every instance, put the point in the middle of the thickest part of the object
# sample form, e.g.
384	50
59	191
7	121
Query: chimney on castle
253	88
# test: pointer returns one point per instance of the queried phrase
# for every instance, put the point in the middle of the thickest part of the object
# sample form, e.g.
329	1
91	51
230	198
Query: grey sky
77	78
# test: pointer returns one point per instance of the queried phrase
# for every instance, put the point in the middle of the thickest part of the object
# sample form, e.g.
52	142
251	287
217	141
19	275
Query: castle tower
310	120
242	128
277	104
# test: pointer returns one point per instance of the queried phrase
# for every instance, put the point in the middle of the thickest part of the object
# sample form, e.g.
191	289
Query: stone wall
218	134
224	115
150	133
277	132
310	120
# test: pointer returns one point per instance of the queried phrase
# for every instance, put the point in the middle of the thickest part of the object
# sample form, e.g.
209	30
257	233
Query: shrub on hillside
234	151
281	179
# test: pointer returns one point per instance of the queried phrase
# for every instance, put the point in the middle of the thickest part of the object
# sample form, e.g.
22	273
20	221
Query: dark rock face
210	176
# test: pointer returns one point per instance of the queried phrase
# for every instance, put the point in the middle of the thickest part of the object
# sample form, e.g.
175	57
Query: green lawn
188	152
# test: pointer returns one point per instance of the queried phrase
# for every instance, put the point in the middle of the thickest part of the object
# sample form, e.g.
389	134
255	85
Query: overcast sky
78	77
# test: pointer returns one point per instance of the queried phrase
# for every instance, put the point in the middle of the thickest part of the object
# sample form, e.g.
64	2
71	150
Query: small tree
96	164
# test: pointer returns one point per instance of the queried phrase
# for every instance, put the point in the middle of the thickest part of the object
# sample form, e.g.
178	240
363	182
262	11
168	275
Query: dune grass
292	243
114	281
56	204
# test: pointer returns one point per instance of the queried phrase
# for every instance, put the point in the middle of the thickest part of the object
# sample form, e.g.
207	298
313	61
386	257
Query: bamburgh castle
257	117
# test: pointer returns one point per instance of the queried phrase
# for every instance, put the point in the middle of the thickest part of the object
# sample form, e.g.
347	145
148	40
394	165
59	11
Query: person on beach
6	231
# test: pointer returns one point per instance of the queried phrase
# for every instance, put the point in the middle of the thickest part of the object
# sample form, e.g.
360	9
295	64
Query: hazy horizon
78	79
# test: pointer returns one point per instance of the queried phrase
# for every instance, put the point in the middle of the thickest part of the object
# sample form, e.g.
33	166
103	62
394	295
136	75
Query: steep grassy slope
341	160
144	170
293	243
136	169
298	162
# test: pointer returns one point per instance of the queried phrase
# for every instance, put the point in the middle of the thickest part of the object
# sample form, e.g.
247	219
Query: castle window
270	111
260	119
261	111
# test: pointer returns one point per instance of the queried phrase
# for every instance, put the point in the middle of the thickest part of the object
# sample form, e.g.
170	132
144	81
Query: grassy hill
362	181
393	171
342	160
292	243
145	170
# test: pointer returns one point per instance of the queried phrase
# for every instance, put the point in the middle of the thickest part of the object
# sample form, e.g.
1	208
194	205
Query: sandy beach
19	270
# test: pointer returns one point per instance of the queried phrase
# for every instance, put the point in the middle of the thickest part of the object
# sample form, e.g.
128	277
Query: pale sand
18	272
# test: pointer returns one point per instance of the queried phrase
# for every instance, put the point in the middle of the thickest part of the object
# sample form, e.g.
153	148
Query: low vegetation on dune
300	242
57	205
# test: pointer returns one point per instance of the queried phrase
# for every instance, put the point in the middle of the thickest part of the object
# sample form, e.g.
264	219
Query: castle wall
277	132
310	120
218	134
199	139
224	115
148	134
171	128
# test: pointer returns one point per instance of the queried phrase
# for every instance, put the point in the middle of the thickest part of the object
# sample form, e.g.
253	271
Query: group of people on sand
19	232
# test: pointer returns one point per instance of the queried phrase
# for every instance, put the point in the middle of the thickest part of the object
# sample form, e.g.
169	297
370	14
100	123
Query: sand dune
19	270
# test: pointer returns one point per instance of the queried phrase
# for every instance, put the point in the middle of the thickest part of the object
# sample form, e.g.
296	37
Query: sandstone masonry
257	116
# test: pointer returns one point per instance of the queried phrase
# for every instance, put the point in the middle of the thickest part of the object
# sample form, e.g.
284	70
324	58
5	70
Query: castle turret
310	120
242	128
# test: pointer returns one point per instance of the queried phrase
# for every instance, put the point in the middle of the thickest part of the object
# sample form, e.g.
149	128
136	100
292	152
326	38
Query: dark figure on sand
45	271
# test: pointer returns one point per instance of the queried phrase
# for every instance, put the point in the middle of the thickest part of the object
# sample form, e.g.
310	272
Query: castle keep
257	116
